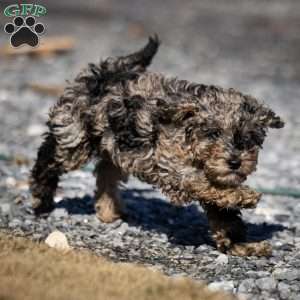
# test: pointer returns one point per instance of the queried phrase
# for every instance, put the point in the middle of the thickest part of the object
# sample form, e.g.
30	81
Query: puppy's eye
245	142
248	142
240	141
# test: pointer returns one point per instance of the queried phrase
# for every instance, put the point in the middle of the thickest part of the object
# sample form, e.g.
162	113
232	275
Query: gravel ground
253	46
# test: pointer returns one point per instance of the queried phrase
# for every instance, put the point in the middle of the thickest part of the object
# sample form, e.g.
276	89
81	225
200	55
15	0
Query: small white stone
57	240
123	228
10	182
35	130
222	259
222	285
58	199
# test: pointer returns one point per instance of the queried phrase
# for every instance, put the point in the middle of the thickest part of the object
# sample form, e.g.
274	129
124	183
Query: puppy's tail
112	70
135	62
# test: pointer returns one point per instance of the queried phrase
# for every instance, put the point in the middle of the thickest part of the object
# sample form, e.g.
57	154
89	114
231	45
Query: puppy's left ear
269	119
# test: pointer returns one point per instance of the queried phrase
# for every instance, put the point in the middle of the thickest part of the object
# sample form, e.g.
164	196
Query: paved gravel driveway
251	45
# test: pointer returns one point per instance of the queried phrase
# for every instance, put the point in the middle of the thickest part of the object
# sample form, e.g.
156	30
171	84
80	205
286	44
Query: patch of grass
31	271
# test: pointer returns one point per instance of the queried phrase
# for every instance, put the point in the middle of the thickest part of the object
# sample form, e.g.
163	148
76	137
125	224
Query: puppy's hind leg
107	199
44	177
66	147
53	160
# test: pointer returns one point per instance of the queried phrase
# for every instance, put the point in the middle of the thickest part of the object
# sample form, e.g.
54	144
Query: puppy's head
225	131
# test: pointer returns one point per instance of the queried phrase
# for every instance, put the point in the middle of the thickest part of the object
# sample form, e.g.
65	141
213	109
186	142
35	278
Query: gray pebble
15	223
267	283
246	286
284	290
5	208
28	222
286	274
294	297
59	213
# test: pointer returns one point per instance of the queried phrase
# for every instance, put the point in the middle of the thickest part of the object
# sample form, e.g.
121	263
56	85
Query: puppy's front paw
240	197
248	198
251	249
223	243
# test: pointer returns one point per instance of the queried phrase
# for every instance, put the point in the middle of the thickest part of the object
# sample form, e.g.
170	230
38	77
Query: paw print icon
24	31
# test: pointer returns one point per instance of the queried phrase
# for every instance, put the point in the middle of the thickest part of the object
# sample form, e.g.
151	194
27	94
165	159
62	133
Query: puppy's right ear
269	119
264	115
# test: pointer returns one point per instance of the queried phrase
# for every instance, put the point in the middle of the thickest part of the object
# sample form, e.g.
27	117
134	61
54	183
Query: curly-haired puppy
193	141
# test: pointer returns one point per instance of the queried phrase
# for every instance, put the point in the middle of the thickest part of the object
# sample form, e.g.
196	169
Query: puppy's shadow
183	225
263	231
77	206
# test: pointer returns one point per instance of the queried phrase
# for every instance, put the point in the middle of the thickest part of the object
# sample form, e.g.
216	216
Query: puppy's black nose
234	164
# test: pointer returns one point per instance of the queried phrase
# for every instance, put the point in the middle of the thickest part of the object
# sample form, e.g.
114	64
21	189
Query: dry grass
34	271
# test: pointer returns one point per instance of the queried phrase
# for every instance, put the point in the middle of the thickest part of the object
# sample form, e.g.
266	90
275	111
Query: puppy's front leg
198	187
229	233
